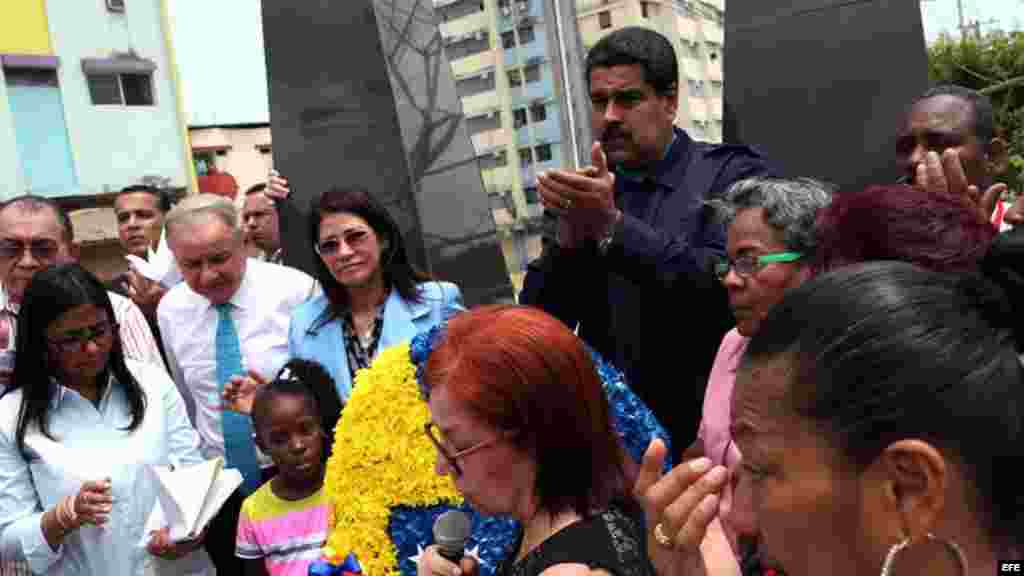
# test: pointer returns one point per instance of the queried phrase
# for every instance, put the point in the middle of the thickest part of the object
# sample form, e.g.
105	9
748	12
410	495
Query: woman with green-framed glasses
770	249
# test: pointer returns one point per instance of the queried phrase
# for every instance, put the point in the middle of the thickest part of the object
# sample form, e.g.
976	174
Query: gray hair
198	208
790	206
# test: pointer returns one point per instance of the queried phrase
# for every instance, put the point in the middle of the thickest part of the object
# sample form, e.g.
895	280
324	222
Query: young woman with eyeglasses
78	429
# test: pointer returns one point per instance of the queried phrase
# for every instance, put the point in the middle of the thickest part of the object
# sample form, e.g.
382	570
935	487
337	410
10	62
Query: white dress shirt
261	310
137	339
92	445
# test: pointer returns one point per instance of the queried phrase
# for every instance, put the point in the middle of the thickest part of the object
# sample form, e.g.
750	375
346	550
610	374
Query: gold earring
955	550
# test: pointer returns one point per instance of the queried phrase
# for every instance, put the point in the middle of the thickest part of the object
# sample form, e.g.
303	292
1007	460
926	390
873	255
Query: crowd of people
839	372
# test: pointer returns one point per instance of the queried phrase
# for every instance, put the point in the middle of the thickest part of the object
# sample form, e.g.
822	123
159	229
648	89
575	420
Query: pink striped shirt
286	534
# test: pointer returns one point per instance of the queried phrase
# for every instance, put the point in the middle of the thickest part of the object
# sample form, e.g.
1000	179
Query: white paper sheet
189	498
159	266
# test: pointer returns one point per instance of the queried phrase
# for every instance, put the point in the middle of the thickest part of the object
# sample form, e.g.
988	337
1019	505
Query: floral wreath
383	491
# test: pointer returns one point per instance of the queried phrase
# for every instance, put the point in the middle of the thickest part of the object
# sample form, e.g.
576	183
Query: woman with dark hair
78	429
880	414
522	425
373	297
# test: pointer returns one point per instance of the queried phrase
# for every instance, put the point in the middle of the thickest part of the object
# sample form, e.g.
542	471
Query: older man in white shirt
228	317
36	233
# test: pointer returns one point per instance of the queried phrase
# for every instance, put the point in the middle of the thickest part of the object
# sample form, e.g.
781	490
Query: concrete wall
114	146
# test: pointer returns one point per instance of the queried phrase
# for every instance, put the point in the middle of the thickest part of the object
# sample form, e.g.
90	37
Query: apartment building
697	31
88	105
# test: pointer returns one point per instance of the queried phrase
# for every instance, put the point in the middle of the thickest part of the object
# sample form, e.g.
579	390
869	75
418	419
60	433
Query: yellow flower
381	459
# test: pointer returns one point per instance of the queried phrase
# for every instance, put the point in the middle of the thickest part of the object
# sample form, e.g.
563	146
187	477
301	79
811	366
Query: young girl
283	524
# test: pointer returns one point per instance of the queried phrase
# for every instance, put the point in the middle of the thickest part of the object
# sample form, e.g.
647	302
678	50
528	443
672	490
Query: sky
941	15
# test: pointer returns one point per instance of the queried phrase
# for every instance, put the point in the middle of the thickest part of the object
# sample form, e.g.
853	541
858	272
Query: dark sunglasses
39	249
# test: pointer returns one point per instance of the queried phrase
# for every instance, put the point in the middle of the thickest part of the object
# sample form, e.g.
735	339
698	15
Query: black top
611	541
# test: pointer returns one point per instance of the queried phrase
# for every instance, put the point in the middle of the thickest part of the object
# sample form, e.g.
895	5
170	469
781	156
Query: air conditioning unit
115	5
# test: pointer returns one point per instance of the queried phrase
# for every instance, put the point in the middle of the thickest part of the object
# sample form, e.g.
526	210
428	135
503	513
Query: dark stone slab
362	94
821	86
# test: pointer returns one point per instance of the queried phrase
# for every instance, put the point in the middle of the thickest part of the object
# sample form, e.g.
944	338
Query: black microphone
451	531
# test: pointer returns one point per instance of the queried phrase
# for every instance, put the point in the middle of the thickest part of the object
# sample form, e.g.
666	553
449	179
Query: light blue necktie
238	439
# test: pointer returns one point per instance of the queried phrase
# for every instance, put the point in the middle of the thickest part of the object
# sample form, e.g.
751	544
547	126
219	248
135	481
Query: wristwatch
605	242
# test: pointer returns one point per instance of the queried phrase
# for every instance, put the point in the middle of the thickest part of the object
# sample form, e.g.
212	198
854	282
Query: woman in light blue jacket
372	295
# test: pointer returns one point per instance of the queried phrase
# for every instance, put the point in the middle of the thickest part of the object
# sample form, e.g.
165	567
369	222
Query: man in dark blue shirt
631	264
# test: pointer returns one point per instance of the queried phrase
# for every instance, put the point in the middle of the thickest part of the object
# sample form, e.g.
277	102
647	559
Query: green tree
994	65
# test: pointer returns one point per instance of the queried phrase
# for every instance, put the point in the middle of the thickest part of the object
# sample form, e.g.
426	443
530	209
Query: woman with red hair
522	425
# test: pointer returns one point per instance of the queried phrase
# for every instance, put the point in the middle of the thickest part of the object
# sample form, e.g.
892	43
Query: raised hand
240	391
945	175
277	186
679	507
586	197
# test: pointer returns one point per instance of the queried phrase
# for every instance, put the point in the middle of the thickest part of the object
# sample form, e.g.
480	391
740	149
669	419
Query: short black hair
885	351
256	188
261	188
983	118
307	379
33	203
163	200
638	45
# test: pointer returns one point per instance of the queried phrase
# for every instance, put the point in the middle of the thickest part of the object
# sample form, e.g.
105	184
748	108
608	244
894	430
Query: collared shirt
360	353
92	444
136	338
277	257
717	411
261	310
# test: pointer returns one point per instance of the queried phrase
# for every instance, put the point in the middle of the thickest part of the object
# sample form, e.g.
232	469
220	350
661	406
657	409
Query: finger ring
659	535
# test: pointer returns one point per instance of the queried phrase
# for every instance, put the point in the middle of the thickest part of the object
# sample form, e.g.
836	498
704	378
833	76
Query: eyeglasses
436	437
77	340
746	266
39	249
331	246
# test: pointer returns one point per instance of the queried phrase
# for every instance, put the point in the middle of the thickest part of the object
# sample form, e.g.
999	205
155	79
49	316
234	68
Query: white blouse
93	445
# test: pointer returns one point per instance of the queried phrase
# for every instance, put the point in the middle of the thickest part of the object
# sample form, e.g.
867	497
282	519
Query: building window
696	88
544	153
519	117
121	89
526	34
515	78
525	157
538	113
508	40
643	9
532	73
604	19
